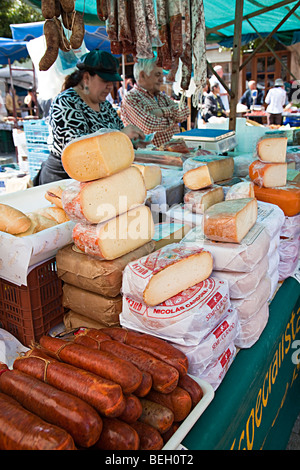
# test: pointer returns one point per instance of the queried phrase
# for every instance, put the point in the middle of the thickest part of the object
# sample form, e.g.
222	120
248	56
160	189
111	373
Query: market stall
157	334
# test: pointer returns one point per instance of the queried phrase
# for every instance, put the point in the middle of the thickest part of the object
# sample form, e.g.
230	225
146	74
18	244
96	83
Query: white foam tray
208	394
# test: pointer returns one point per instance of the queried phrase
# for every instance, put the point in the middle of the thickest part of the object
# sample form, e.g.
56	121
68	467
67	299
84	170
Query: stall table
258	402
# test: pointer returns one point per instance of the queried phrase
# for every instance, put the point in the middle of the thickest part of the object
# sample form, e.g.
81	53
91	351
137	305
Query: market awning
11	49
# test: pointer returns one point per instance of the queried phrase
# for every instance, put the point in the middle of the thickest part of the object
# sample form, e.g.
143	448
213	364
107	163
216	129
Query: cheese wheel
12	220
198	178
166	272
151	174
97	155
199	201
286	197
268	175
230	221
272	149
117	236
240	190
105	198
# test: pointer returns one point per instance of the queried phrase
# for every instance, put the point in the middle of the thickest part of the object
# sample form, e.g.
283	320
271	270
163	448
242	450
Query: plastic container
28	312
36	135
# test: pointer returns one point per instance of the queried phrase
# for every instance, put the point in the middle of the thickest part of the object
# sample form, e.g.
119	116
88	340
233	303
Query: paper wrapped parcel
18	254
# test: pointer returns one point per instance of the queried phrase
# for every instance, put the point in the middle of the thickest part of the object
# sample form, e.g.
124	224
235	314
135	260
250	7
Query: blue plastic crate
35	161
36	131
293	121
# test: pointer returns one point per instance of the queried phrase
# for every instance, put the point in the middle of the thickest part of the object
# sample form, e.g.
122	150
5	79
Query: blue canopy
12	49
95	36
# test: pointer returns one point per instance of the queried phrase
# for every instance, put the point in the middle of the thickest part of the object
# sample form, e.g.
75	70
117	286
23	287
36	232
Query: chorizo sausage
157	415
178	401
67	5
167	435
117	435
22	430
48	9
98	362
104	395
133	409
164	376
157	347
71	413
192	387
78	31
145	386
150	438
52	45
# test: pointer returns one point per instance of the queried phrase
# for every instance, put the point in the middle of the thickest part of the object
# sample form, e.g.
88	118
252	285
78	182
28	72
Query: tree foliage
16	12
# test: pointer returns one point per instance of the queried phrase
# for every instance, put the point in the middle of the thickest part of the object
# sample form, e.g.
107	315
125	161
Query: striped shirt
138	106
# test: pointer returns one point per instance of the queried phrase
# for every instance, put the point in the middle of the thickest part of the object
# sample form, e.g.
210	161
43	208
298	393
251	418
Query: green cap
102	63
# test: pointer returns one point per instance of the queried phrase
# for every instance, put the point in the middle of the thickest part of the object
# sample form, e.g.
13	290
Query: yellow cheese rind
97	155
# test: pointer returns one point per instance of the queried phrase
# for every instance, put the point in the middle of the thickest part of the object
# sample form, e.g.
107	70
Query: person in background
31	102
149	108
223	92
213	105
9	103
276	100
252	95
82	109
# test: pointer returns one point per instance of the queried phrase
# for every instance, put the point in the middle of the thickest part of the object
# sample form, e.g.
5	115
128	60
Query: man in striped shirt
148	108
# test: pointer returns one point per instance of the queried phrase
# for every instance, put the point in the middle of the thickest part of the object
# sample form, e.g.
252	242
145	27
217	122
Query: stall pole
236	51
13	95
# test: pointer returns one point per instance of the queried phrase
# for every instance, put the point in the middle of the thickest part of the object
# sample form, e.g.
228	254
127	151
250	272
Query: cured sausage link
117	435
22	430
98	362
104	395
164	376
152	345
70	413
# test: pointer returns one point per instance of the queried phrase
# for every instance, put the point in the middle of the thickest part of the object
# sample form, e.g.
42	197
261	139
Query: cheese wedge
220	168
272	149
230	221
105	198
268	175
166	233
240	190
198	178
151	174
286	197
97	155
116	237
199	201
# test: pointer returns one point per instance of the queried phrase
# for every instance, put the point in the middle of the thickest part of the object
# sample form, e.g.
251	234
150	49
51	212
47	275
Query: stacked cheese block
113	225
289	246
172	295
269	174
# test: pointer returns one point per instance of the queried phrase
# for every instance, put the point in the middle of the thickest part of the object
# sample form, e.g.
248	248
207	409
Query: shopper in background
9	102
276	100
82	108
31	102
252	96
149	108
213	105
223	92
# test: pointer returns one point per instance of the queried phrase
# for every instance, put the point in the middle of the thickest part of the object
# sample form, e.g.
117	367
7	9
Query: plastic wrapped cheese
246	307
232	256
117	236
241	285
97	155
230	221
184	318
105	198
199	201
217	369
291	227
213	344
251	330
240	190
166	272
286	197
268	175
272	149
271	217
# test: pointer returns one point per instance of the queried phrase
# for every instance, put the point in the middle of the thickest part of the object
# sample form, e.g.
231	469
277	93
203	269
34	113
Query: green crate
6	142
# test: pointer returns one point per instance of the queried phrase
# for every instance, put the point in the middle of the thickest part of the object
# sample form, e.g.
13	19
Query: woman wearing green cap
81	109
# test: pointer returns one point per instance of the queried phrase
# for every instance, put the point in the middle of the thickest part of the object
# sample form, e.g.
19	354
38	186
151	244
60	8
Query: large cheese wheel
151	174
198	178
117	236
97	155
268	175
230	221
105	198
202	199
272	149
286	197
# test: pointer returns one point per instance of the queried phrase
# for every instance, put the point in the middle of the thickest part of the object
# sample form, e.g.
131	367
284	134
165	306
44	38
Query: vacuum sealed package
216	370
251	330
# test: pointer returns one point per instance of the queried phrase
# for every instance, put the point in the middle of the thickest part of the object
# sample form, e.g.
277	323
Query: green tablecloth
258	401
